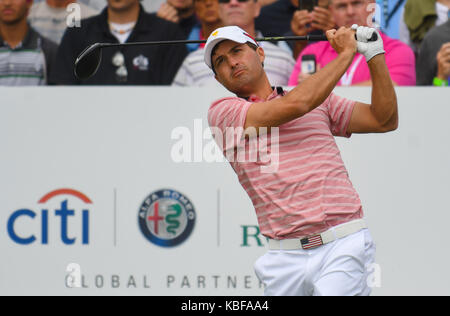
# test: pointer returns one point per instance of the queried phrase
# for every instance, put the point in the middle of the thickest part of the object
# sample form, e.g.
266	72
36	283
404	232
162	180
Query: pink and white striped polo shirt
310	191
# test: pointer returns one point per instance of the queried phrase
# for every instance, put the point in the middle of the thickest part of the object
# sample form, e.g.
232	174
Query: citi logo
66	208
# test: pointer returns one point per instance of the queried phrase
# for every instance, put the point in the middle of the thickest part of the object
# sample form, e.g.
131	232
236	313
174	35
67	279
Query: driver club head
88	62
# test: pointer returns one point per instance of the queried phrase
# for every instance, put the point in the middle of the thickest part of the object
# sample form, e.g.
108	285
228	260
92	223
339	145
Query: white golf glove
366	48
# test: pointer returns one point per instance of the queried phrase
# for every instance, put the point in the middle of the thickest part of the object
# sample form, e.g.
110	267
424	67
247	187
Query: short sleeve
226	119
340	112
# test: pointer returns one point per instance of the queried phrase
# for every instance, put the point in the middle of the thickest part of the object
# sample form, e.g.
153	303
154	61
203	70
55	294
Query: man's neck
262	89
125	16
14	34
59	4
264	93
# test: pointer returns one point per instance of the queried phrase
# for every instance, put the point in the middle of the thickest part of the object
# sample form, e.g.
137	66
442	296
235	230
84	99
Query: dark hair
251	45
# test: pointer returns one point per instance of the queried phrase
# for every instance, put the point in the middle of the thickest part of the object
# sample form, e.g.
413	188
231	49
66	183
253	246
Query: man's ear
261	54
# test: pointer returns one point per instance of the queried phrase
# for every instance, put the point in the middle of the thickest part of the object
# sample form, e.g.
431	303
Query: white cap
232	33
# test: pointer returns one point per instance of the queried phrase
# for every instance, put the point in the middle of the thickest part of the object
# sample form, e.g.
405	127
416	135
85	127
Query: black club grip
374	37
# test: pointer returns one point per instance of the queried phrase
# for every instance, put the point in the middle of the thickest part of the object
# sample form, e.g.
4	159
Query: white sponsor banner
93	203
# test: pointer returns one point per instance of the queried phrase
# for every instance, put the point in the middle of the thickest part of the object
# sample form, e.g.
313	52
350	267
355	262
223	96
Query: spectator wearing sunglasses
278	63
123	21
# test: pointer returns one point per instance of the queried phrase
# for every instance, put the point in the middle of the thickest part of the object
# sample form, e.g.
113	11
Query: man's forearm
384	99
313	91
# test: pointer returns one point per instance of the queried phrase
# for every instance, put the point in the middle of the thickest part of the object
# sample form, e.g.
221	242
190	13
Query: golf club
88	62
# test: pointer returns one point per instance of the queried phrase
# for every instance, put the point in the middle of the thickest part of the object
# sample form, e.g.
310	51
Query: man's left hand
366	48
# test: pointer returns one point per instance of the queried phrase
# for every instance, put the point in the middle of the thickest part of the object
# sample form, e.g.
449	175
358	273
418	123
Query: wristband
439	82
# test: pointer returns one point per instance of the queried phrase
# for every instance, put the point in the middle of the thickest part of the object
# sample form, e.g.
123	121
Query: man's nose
234	2
232	62
350	10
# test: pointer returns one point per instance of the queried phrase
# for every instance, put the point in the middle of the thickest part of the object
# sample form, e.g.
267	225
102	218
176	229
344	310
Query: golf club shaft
311	38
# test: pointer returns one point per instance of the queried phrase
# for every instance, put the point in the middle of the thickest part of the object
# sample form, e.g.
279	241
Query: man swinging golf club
308	208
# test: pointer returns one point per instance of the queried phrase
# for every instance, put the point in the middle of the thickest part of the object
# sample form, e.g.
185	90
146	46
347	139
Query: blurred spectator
152	5
433	65
123	21
193	71
283	18
419	17
180	12
278	63
26	57
51	17
207	13
275	19
96	5
303	22
399	57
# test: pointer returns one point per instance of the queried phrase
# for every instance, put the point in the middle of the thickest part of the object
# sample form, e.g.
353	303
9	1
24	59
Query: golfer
318	243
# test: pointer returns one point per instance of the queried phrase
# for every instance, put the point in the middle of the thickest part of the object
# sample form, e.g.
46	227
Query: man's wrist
438	82
377	58
347	54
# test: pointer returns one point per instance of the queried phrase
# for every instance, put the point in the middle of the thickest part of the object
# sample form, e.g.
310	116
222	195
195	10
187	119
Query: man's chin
119	7
241	90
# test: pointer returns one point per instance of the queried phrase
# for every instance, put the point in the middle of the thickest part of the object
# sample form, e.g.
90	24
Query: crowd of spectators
40	39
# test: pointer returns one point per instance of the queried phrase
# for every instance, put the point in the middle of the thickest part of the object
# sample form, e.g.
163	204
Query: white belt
314	241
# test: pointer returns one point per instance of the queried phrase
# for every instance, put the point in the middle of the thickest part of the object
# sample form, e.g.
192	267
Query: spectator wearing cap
399	57
278	63
121	22
433	64
26	57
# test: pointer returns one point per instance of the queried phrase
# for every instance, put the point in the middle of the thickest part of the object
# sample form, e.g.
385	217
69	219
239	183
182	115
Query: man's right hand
304	22
443	61
301	22
168	12
342	40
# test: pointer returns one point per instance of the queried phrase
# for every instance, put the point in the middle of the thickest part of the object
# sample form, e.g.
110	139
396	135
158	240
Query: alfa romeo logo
166	218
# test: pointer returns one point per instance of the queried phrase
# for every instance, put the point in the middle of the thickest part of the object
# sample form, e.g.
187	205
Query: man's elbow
391	125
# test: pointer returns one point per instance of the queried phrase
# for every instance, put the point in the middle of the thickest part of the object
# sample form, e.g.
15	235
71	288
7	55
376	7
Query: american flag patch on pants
311	242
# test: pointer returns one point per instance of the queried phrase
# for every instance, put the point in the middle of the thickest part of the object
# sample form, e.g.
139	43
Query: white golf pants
339	268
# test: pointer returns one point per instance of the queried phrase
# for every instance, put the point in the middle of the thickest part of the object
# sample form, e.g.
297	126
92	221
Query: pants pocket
259	267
